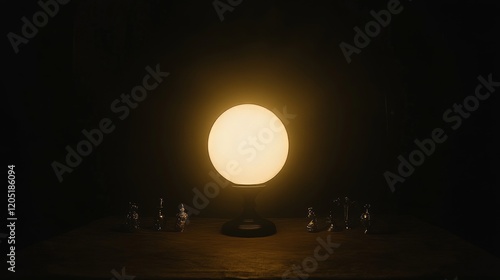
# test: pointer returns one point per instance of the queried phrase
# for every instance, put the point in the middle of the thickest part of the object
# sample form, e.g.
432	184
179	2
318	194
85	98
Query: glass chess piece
366	219
160	219
182	218
312	226
335	203
133	217
330	221
347	204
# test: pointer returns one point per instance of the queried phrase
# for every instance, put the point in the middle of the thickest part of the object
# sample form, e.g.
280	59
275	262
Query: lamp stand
249	224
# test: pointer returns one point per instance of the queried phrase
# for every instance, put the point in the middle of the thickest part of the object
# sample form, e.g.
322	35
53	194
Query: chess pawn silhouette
366	219
312	226
133	217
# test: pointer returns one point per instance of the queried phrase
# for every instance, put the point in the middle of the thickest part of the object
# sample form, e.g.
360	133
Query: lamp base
249	223
249	227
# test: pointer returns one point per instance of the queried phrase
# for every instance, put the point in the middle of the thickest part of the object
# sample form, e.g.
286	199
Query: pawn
132	217
330	221
312	226
182	218
366	219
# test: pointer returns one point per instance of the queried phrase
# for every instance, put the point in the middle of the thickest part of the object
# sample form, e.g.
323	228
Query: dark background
352	120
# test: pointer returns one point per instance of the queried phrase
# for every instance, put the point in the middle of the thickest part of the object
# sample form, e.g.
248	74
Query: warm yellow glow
248	144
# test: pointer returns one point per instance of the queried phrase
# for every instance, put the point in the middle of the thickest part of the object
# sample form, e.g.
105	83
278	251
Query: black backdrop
352	119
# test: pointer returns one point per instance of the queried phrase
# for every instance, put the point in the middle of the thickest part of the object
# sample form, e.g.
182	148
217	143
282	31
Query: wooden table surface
404	248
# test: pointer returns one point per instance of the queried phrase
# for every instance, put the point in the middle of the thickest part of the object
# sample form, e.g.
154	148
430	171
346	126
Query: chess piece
335	203
366	219
132	217
312	226
346	204
330	221
160	217
182	218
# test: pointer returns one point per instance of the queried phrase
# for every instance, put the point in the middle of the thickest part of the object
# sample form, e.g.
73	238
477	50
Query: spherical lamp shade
248	145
